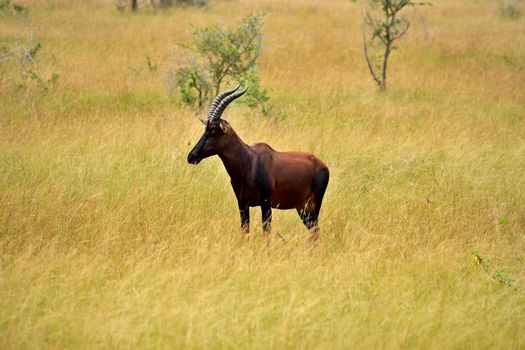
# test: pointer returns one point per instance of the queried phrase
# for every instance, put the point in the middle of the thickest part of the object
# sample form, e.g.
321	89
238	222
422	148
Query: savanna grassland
109	239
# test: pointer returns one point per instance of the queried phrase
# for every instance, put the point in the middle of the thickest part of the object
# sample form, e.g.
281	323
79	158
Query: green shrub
219	56
10	9
18	58
511	9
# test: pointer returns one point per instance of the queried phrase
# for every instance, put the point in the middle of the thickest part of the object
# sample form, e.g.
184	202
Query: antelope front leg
244	210
266	210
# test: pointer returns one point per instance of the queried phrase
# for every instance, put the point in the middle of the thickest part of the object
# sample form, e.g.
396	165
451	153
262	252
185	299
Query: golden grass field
109	239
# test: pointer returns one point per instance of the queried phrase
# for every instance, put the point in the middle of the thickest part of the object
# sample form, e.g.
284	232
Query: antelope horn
224	103
218	100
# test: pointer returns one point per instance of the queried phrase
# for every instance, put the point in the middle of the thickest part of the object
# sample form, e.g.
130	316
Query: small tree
511	9
218	56
384	25
18	58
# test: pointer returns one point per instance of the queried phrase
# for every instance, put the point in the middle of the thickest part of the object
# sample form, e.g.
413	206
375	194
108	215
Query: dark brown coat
261	176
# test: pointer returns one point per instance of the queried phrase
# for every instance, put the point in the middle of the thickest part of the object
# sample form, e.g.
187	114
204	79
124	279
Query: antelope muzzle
193	158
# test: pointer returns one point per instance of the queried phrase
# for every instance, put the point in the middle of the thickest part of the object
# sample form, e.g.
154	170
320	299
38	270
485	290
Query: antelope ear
224	126
202	121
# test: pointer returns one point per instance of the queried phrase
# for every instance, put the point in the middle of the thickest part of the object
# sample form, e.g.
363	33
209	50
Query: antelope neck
235	157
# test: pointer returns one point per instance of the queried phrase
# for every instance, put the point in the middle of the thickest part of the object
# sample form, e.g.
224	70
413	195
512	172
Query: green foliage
120	5
230	52
191	82
9	9
23	52
151	65
25	57
498	275
43	83
221	56
511	9
19	58
255	95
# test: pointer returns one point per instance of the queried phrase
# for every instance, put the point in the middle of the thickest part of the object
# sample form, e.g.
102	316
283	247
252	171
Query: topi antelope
261	176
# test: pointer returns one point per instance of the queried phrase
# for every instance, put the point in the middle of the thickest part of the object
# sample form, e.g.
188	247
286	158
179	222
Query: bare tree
383	25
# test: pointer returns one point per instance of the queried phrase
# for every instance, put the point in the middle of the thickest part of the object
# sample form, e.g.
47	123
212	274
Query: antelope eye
217	131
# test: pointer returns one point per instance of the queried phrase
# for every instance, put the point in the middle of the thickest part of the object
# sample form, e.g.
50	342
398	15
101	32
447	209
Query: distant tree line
134	4
221	56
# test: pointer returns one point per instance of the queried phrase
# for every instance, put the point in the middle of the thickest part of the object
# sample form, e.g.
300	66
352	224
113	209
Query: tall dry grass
109	239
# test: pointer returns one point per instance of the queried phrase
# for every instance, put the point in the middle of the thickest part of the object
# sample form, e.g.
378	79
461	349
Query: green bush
219	56
18	57
511	9
8	9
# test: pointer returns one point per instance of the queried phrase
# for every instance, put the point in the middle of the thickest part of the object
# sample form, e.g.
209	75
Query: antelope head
217	131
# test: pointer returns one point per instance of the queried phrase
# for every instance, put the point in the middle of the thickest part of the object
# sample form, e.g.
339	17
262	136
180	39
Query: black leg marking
266	210
244	210
309	219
